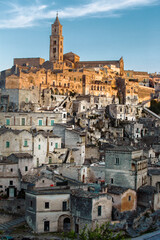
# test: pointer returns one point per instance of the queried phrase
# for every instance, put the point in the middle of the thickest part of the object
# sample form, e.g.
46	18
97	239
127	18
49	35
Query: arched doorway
66	225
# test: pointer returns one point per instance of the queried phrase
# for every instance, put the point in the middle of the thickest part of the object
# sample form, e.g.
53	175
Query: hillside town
79	144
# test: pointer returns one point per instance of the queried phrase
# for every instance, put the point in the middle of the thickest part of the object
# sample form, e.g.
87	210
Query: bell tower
56	42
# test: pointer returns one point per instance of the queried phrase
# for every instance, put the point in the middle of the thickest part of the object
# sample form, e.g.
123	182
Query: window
10	183
26	168
40	122
26	100
7	144
117	161
64	84
23	121
31	203
46	204
39	147
54	42
54	50
99	210
56	145
112	180
52	122
64	206
75	79
7	122
64	115
25	143
60	50
129	198
11	169
50	160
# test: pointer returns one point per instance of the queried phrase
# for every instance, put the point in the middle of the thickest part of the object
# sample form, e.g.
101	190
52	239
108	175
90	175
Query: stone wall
36	62
16	206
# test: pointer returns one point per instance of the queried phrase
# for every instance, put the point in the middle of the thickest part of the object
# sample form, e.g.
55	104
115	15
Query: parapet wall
35	62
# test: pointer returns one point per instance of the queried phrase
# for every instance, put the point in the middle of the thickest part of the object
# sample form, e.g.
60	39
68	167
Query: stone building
12	169
124	112
61	209
72	139
124	199
148	197
135	130
88	208
125	167
38	144
26	120
48	210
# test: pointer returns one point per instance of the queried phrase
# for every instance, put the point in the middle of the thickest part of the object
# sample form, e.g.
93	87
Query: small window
64	206
26	168
42	181
56	145
23	121
7	122
39	147
46	204
54	50
111	180
11	169
129	198
40	122
26	100
10	183
99	210
50	160
75	79
52	122
7	144
25	143
51	143
117	161
31	203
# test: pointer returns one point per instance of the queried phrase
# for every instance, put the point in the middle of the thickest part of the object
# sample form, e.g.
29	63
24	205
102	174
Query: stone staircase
12	223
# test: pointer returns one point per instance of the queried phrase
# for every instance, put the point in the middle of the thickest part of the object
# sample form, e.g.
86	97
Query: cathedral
65	74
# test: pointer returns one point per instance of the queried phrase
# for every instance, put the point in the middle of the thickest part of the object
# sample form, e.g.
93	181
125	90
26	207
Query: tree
103	232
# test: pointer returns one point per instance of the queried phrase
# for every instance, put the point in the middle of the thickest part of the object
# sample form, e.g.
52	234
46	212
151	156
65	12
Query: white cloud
20	16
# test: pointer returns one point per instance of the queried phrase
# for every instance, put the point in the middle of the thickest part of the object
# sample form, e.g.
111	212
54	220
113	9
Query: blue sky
93	29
